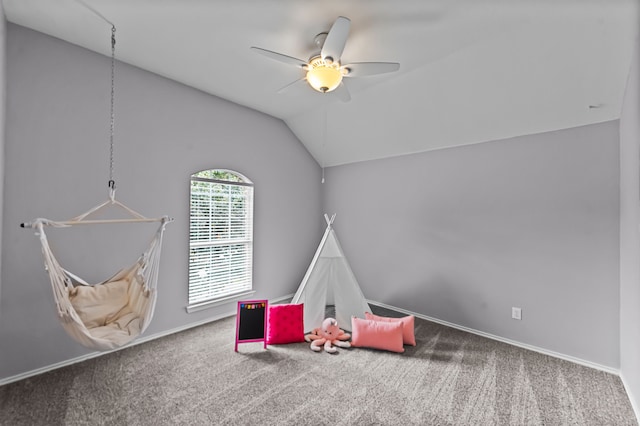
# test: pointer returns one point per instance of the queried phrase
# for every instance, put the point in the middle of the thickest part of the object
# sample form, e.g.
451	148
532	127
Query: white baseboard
141	340
631	395
503	340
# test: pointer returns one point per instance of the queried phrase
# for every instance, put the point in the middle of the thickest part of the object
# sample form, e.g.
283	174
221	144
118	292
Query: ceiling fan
324	71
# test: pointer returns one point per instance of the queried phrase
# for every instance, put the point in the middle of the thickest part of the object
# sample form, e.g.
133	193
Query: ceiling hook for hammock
112	190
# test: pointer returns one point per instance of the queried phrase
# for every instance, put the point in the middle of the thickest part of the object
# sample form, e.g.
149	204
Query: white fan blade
280	57
336	39
342	93
288	86
361	69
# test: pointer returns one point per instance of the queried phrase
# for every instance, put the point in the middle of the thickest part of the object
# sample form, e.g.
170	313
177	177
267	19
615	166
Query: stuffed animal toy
328	335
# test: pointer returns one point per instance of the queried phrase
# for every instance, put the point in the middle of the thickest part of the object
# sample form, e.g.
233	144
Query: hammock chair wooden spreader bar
112	313
81	219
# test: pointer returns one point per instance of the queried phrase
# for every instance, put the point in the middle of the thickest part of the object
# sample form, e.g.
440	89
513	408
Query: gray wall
3	38
57	166
629	235
464	234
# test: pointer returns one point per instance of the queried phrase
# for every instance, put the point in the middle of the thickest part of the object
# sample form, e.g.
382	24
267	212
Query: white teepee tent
330	281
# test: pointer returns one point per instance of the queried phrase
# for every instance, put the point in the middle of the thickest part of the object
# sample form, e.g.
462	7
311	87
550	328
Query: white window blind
220	235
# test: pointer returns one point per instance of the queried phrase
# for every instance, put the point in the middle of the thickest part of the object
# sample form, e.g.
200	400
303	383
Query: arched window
220	237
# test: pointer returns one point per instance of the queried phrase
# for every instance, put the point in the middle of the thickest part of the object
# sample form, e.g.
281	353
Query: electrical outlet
516	313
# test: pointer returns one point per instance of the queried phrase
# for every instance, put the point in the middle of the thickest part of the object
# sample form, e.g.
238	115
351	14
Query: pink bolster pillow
408	336
376	334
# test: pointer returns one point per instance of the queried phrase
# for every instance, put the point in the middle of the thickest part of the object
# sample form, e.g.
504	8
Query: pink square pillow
408	336
376	334
285	324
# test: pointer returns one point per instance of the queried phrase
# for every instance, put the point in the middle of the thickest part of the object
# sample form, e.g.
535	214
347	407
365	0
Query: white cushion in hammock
109	311
100	304
119	332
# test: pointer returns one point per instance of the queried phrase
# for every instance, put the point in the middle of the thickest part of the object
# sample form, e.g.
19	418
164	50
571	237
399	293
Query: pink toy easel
251	322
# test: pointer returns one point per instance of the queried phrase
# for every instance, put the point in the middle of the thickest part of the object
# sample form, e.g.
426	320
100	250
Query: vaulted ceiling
470	70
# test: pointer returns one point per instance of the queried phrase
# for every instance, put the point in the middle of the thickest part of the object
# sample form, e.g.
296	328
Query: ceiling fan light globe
324	78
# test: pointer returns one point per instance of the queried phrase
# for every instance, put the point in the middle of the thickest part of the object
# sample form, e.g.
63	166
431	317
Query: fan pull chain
324	142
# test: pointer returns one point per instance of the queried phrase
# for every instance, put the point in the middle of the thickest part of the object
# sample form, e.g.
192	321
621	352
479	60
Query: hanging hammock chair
112	313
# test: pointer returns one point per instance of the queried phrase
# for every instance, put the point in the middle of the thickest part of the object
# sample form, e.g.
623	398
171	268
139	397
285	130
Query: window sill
217	302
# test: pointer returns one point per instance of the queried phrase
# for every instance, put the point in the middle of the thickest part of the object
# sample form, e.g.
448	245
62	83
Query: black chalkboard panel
251	322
